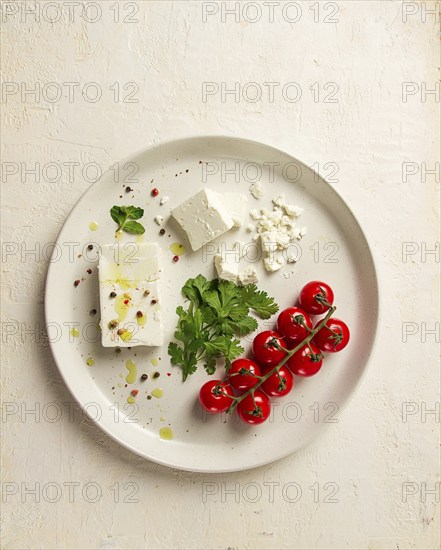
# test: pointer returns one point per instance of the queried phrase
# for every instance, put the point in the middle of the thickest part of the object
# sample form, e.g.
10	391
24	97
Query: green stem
288	356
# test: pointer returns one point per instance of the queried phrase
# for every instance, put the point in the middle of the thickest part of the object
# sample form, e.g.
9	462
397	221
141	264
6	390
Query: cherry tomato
307	361
265	348
243	374
214	396
291	324
316	297
279	383
334	336
254	411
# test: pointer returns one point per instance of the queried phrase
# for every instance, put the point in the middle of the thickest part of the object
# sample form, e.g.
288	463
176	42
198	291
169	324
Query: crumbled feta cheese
159	220
248	276
276	230
164	199
272	263
279	201
227	267
292	210
250	227
256	189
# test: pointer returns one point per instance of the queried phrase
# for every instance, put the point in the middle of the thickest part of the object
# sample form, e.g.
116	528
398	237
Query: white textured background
384	463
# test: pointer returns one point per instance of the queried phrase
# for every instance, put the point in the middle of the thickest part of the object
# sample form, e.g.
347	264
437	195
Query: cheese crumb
256	189
276	230
248	276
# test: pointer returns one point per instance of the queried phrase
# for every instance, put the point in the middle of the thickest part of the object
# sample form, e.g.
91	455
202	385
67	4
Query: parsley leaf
259	301
217	311
125	217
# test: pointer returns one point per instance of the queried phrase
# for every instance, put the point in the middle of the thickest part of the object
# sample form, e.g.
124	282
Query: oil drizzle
177	249
166	433
131	367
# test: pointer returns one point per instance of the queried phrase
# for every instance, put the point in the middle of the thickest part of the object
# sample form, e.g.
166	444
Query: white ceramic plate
334	250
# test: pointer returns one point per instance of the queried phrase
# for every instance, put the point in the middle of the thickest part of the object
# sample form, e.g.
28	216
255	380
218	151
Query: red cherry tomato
334	336
316	297
214	396
279	383
254	411
265	348
307	361
291	324
243	374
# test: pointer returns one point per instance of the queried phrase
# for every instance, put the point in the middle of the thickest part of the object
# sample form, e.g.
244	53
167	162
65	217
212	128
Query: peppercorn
146	292
113	294
139	314
128	189
92	312
89	271
134	392
77	282
176	259
162	232
90	247
120	331
156	374
144	377
113	324
117	350
155	192
149	397
154	302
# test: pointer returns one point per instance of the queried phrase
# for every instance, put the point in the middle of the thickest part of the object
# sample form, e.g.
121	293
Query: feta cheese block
236	205
227	267
129	281
203	217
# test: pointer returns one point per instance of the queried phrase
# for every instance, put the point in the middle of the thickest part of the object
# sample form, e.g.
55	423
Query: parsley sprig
217	312
125	217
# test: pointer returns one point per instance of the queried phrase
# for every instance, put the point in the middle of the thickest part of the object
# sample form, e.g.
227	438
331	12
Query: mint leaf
125	217
134	228
133	212
117	214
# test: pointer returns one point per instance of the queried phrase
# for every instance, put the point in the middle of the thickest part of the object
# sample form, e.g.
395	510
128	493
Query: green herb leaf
176	353
134	228
133	212
125	217
259	301
117	214
217	311
245	325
